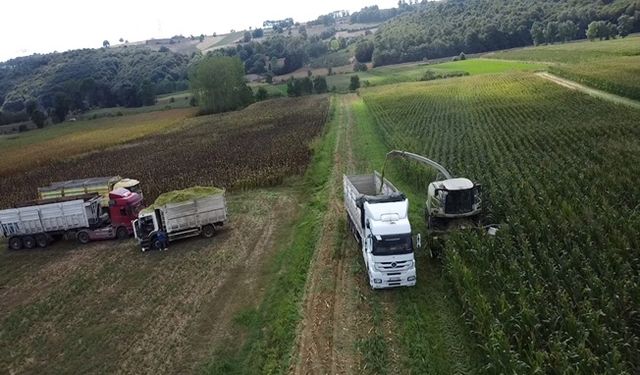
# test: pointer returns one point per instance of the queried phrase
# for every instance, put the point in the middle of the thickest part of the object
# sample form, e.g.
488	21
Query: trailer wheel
42	240
83	237
29	242
122	233
15	243
208	231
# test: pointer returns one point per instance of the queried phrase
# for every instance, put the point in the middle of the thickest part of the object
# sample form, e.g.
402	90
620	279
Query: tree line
58	83
446	28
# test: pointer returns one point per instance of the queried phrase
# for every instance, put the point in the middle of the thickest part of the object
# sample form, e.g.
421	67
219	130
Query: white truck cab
381	225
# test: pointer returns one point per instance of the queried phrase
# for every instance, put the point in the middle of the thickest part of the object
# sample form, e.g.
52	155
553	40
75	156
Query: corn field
558	289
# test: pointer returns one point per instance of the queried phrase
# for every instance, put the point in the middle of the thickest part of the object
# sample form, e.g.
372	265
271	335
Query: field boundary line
571	85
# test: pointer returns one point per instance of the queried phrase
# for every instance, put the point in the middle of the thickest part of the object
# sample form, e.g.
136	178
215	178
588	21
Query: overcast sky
30	26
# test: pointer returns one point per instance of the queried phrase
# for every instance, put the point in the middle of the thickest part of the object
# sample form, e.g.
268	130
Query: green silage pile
184	195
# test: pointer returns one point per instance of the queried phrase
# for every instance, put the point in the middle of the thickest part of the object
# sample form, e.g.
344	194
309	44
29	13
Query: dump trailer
380	223
99	185
181	219
38	223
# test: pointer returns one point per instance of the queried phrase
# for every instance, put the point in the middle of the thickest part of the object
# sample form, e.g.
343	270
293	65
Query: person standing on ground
162	240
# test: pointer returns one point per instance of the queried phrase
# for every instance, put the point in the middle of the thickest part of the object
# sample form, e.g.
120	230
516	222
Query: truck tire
29	242
15	243
122	233
42	240
83	237
208	231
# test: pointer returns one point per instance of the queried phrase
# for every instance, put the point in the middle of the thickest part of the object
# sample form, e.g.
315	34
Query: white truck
187	218
37	223
377	215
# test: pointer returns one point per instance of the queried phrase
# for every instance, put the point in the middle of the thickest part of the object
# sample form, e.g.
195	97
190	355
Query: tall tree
537	33
219	85
625	25
551	32
567	31
364	51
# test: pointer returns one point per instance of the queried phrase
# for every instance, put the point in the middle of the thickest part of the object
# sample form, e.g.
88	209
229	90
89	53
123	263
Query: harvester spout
418	158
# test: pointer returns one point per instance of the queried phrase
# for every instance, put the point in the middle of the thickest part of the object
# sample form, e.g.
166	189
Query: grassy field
574	52
414	72
164	103
610	65
19	152
619	76
557	289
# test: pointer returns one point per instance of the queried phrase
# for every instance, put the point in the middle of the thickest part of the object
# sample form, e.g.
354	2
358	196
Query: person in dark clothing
163	241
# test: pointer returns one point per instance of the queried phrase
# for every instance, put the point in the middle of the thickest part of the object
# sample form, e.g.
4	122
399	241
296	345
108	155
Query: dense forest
446	28
57	83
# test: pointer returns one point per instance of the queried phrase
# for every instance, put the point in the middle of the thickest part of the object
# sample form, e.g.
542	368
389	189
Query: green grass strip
271	328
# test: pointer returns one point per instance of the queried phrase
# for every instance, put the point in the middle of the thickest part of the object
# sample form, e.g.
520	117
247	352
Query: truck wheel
122	233
83	237
42	240
15	243
29	242
208	231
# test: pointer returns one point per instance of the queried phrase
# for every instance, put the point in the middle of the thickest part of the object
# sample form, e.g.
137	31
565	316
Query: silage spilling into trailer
184	195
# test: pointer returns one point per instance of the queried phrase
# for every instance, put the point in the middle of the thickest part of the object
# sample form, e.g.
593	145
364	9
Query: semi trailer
181	218
380	223
38	223
99	185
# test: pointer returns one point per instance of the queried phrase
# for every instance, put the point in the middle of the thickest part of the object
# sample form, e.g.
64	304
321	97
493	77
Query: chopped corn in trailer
199	213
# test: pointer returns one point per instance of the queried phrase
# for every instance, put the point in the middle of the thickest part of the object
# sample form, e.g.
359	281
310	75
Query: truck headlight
411	278
377	281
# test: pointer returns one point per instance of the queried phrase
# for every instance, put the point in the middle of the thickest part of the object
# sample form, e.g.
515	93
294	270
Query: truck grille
400	265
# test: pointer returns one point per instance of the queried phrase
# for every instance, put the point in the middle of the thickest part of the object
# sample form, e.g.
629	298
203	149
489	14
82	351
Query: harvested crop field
106	307
258	146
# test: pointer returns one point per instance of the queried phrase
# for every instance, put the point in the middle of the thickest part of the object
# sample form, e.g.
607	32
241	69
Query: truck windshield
393	245
145	226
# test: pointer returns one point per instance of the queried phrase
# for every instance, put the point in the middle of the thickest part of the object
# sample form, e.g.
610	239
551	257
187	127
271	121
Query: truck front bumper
382	280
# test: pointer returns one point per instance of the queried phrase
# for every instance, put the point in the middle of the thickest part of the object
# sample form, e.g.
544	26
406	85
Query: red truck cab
124	207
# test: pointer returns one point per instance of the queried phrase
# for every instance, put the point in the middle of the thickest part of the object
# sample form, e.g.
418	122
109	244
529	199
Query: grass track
431	334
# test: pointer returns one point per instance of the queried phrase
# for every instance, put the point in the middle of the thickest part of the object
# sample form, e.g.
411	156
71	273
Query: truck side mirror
367	225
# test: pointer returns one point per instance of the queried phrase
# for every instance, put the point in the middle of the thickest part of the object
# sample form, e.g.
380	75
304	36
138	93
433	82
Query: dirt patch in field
110	308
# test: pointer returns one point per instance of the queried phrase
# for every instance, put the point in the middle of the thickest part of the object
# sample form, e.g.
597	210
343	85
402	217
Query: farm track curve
571	85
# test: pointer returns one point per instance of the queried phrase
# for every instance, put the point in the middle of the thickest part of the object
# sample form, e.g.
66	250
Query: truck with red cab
40	222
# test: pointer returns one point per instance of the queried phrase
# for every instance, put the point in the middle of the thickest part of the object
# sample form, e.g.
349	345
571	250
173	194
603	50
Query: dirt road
589	91
349	329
